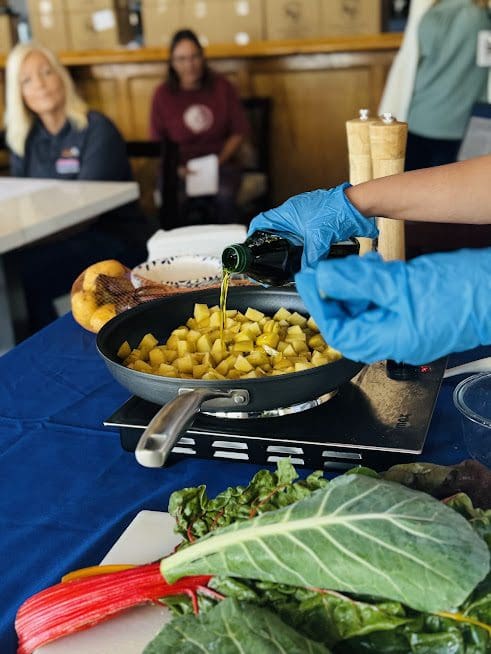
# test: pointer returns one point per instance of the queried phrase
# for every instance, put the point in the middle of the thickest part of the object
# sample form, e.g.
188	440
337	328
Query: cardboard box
95	5
350	17
8	33
225	21
293	19
45	6
51	29
99	30
160	19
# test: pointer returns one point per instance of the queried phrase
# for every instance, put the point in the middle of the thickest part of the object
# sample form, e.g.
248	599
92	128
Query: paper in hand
203	176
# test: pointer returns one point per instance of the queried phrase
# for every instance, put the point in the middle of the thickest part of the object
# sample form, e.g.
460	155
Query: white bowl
183	271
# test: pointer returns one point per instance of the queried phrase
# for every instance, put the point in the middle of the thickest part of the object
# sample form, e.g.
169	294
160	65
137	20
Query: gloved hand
316	220
413	312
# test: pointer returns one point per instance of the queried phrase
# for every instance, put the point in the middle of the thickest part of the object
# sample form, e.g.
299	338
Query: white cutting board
149	537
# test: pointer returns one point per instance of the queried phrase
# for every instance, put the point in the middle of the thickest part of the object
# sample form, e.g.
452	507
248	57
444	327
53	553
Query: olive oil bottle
271	259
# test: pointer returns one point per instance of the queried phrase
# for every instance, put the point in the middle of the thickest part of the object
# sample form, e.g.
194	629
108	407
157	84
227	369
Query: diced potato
170	355
142	366
156	357
271	326
253	314
243	346
199	370
184	364
242	364
185	347
204	343
253	329
299	345
289	350
282	314
124	351
223	367
172	342
148	342
193	335
180	332
215	319
319	359
212	374
258	358
312	324
303	365
218	351
250	375
296	319
201	312
317	342
251	346
166	370
269	338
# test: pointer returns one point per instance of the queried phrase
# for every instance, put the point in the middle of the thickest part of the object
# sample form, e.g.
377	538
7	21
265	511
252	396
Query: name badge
67	166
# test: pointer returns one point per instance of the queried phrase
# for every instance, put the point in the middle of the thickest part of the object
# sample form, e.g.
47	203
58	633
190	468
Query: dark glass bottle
271	259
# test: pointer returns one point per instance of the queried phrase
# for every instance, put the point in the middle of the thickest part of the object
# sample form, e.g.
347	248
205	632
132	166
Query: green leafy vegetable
232	627
358	534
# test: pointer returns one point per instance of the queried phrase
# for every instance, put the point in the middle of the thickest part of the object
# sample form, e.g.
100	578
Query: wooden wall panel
309	113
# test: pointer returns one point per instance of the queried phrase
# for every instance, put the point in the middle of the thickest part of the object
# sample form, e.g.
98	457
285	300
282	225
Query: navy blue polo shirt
97	152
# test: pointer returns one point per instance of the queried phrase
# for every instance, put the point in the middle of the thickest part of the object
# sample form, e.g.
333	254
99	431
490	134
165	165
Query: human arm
414	312
458	193
455	193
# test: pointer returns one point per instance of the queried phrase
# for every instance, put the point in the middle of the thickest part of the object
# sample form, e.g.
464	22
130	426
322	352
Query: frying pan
184	398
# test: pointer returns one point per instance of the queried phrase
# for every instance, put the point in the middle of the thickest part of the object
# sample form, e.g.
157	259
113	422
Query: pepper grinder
360	158
388	139
388	147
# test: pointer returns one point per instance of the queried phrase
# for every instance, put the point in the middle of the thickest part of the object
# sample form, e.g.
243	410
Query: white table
31	209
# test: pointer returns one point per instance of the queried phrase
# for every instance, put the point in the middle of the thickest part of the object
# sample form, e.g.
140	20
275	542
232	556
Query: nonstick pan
184	398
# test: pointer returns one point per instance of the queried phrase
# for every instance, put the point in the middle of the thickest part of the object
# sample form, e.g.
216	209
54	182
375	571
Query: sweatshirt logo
198	118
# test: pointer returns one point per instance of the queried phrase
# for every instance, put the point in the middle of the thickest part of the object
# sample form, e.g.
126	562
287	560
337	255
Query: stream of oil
223	303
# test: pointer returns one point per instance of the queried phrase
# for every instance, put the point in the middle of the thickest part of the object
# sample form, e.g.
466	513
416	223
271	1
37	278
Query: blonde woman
52	134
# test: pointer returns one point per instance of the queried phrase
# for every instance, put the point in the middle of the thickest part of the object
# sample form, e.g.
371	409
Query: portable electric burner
373	420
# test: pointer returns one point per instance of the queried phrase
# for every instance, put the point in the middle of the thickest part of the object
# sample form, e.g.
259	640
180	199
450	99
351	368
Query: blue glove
413	312
316	220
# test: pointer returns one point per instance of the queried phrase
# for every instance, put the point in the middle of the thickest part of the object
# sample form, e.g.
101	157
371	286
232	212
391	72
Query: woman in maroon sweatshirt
200	111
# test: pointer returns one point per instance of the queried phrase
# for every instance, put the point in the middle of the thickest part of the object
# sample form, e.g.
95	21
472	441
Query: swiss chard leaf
361	535
232	627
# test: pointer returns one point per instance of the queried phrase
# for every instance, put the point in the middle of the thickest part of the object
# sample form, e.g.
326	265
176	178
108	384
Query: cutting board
149	537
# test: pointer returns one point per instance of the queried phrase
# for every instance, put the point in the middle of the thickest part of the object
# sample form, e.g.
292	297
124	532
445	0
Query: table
31	209
68	490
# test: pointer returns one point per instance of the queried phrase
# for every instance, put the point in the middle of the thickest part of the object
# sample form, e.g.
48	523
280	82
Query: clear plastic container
472	397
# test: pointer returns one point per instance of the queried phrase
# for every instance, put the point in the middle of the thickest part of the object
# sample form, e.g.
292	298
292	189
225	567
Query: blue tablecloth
68	490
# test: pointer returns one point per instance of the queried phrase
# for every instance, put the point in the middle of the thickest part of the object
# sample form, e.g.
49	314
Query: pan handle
173	420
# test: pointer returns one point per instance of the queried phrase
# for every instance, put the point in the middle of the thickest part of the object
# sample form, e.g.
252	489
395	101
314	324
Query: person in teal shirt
448	81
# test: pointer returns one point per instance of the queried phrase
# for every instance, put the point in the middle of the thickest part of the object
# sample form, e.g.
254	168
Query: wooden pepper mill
388	139
360	157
